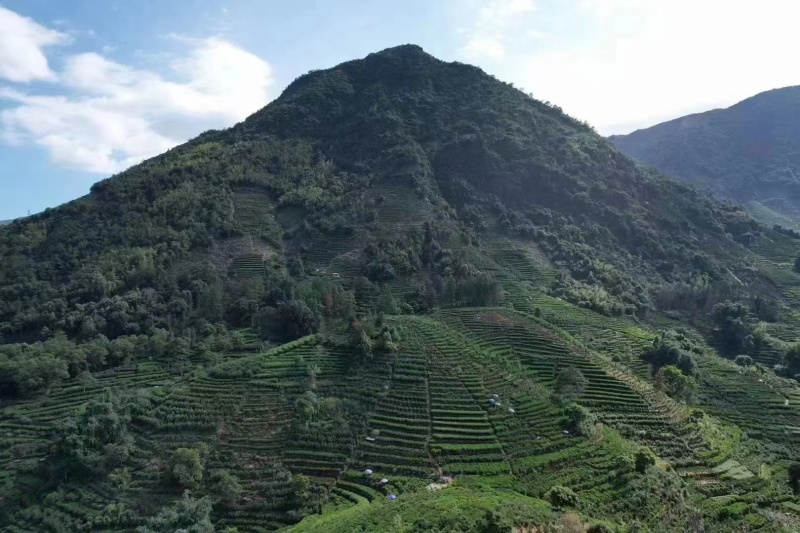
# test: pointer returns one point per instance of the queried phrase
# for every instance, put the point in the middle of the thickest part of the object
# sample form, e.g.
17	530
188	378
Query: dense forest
402	288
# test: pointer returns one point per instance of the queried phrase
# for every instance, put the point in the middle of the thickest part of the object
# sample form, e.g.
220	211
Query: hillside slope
749	152
348	156
279	316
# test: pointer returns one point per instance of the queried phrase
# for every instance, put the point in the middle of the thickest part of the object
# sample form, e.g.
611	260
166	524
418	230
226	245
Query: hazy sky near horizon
91	87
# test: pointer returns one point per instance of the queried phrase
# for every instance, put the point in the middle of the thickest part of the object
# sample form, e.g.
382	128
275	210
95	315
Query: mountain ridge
747	152
294	114
401	271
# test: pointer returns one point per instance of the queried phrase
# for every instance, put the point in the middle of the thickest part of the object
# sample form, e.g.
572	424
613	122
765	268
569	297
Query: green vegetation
675	349
402	297
671	380
748	152
569	384
185	468
562	497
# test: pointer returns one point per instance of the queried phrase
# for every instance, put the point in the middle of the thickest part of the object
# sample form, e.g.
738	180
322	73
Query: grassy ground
463	503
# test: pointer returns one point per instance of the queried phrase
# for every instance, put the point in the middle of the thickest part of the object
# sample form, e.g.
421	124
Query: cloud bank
101	116
493	28
22	42
623	64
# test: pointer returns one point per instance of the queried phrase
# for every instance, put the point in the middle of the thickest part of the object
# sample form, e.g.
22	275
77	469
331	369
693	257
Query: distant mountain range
749	152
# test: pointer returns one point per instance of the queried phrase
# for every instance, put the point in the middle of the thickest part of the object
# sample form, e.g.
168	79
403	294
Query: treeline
29	369
187	314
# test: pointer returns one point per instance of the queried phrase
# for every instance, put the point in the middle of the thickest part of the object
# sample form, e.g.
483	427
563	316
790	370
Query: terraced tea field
416	415
399	205
541	354
522	262
768	408
253	210
247	266
531	440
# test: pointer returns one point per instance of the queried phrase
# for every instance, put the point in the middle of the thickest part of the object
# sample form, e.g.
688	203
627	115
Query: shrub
480	290
185	467
114	516
791	359
226	487
599	528
696	415
794	476
187	514
288	321
644	458
734	327
561	496
765	309
379	271
569	384
671	381
493	522
580	419
386	302
96	439
571	523
735	510
755	521
671	348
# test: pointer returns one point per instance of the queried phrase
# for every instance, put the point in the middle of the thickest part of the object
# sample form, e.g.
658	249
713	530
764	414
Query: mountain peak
432	241
408	50
377	79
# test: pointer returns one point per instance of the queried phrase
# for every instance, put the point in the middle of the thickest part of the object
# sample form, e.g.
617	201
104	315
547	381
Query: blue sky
90	87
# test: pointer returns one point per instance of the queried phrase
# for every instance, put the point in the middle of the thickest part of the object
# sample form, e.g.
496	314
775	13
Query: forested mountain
401	271
749	152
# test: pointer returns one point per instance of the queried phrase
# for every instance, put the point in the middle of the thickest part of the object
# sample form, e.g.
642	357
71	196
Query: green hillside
749	152
404	296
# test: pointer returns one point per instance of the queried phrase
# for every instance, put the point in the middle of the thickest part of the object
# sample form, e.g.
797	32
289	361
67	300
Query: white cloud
493	27
111	116
21	43
623	64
